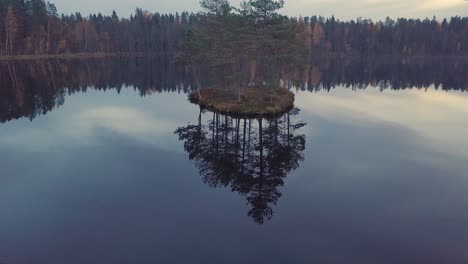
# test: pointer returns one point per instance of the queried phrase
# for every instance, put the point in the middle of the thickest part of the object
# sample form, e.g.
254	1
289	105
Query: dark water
107	162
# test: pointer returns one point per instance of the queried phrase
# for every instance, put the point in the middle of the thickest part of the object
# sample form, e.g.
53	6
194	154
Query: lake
106	161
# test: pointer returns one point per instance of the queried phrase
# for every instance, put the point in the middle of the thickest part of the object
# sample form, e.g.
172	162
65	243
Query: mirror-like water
106	161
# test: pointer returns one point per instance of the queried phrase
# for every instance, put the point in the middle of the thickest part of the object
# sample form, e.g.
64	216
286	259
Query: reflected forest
250	156
30	89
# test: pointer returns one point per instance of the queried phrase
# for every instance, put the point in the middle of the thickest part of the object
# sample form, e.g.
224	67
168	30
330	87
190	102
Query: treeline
35	27
407	37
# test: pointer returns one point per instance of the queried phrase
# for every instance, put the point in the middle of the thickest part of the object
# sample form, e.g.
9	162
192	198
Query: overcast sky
342	9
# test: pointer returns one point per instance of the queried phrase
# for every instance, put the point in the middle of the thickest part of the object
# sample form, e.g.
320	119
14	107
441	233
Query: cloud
342	9
438	4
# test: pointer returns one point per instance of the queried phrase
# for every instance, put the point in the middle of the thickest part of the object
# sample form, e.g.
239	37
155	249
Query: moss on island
253	101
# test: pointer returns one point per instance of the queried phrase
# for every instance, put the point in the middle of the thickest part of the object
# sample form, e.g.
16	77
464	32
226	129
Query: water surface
107	162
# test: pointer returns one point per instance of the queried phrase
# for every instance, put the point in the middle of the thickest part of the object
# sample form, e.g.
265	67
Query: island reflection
250	156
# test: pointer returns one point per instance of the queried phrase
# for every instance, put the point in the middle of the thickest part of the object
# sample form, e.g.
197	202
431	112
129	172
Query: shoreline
254	102
83	55
101	55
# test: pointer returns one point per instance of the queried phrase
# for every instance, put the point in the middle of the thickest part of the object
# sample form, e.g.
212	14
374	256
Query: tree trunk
11	43
48	36
86	38
51	75
289	124
6	42
237	138
243	144
260	127
11	76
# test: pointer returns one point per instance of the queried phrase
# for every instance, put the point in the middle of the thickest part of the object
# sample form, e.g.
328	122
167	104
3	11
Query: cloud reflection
128	121
439	118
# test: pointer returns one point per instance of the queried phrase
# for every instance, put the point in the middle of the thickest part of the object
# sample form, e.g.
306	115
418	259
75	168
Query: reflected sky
103	179
434	117
126	114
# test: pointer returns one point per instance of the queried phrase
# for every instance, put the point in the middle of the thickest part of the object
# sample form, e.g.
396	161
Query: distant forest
34	27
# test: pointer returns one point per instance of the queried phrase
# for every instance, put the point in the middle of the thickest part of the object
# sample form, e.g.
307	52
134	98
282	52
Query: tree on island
245	45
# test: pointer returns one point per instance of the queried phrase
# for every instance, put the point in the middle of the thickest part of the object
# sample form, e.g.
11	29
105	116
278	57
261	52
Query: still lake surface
112	164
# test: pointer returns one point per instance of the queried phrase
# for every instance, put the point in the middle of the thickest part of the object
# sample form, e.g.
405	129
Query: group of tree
35	27
250	156
407	37
381	73
245	43
33	88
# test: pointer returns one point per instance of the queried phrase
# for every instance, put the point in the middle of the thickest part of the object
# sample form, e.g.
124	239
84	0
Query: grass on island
253	102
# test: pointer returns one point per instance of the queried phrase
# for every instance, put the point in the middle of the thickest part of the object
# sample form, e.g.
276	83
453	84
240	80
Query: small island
245	102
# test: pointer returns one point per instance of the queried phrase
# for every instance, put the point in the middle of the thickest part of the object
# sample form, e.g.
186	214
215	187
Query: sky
341	9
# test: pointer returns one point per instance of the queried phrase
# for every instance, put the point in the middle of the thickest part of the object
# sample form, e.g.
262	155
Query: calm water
107	162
